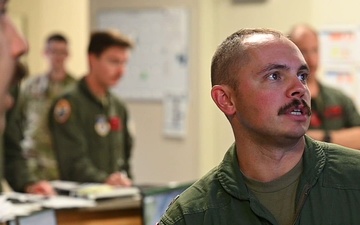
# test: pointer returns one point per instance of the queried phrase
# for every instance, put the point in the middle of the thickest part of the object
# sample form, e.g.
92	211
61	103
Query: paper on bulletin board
340	45
343	77
159	60
175	110
340	59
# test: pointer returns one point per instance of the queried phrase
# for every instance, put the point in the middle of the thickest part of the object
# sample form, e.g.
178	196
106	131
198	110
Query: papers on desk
61	202
23	197
9	210
31	202
95	191
6	212
64	185
101	191
14	204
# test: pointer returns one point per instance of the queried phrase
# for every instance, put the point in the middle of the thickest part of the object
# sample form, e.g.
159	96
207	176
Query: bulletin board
340	59
159	61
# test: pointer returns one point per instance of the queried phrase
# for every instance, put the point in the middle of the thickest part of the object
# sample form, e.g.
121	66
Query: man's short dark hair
56	37
232	54
102	40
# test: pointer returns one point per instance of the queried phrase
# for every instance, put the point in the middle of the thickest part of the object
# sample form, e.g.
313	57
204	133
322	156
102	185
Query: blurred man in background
334	115
37	94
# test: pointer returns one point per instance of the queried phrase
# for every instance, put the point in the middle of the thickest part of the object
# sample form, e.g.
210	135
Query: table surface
112	211
124	211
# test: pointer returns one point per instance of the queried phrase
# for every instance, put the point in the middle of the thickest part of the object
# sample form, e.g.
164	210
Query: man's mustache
295	103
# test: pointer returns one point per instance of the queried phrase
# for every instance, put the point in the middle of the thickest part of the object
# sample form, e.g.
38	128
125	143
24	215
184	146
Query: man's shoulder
34	82
71	97
333	153
36	77
342	167
334	93
341	154
205	194
72	91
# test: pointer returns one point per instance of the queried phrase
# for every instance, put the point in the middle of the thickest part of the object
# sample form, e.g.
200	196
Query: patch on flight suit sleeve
62	111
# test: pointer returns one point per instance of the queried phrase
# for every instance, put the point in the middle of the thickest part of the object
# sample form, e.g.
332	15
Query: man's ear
222	96
92	58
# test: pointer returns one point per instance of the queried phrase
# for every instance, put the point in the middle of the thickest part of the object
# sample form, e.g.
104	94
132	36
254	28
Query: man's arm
15	165
349	137
16	170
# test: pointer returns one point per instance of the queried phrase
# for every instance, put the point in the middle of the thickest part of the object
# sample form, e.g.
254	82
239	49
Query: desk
118	211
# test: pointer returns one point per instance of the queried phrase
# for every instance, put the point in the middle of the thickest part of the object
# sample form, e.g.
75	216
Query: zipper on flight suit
302	200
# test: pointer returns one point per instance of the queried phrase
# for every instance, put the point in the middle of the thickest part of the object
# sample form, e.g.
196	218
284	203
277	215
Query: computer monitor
11	222
156	200
43	217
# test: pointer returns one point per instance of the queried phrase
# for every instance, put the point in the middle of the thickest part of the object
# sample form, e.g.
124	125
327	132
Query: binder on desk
155	200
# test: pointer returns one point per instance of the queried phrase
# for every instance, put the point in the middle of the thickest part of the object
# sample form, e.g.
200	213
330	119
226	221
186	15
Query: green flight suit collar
85	88
232	180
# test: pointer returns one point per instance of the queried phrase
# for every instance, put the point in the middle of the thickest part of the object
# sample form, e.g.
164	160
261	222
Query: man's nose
121	69
297	88
18	44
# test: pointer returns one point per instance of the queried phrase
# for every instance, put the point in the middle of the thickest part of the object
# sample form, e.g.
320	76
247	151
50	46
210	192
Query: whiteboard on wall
159	61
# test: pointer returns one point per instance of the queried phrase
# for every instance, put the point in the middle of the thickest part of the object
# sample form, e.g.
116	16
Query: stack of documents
13	204
101	191
61	202
10	210
95	191
23	204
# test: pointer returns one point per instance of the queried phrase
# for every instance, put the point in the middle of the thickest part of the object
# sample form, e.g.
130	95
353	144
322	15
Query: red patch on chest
115	123
333	112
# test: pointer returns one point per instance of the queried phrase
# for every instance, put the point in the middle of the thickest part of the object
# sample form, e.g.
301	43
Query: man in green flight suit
273	173
89	124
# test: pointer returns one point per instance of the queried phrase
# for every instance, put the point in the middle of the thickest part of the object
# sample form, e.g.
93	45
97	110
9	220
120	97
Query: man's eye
113	61
303	77
274	76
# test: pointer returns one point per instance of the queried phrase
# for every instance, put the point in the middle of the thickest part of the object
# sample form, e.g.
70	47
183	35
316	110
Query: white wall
158	159
42	17
335	12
